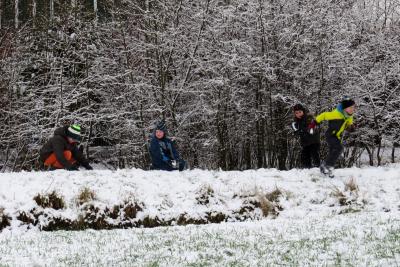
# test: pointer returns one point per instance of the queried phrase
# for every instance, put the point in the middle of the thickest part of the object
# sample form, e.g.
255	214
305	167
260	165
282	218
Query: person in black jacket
164	155
62	152
305	127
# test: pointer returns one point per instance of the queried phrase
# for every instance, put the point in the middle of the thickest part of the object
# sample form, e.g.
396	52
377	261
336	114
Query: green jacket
338	121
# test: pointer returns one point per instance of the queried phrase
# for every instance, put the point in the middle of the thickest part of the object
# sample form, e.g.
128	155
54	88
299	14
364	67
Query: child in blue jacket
164	155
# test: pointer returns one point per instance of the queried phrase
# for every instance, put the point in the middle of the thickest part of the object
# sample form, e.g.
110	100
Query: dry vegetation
4	219
85	195
51	200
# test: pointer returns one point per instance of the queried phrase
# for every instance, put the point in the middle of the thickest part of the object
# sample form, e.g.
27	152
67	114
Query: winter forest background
224	74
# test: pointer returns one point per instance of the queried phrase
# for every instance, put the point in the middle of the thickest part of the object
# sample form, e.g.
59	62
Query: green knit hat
74	131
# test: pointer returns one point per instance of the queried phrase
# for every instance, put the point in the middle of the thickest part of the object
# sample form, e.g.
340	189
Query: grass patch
368	239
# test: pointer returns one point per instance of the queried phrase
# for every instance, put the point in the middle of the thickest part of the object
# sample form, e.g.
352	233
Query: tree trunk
378	152
371	156
16	21
393	153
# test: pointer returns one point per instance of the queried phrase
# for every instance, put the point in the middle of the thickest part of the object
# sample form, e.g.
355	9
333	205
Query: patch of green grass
353	239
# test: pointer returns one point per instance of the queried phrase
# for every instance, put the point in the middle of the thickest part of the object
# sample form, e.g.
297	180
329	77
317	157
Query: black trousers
310	156
335	149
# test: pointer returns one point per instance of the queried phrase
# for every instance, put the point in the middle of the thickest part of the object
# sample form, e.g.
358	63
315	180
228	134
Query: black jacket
301	129
58	144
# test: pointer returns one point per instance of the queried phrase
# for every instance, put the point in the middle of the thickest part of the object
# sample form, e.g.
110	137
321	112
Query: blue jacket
162	152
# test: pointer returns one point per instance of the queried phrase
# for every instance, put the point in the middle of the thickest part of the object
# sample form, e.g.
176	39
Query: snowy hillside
199	196
284	209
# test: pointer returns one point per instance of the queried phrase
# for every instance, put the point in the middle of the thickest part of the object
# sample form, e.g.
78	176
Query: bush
52	200
350	196
204	194
85	195
4	219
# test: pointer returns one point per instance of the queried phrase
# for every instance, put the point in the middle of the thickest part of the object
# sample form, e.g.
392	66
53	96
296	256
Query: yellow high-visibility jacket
337	122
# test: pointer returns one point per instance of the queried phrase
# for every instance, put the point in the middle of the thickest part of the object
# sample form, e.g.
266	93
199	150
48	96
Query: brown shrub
4	219
216	217
59	223
204	195
127	210
269	202
150	222
94	217
267	207
27	217
249	205
184	219
52	200
274	195
339	195
351	186
85	195
343	198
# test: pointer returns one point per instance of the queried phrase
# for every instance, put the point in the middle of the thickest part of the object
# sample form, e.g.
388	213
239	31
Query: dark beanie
299	107
161	126
347	102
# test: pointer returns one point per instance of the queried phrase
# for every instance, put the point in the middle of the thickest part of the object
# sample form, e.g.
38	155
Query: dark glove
73	168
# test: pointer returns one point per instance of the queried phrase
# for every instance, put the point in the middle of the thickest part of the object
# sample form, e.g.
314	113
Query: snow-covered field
353	219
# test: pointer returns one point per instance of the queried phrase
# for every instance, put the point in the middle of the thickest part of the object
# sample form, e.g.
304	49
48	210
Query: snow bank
133	197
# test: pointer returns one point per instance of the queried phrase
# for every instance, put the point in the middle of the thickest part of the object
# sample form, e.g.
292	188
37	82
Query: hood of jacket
61	131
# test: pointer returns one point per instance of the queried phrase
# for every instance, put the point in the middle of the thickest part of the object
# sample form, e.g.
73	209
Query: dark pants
182	165
310	155
335	149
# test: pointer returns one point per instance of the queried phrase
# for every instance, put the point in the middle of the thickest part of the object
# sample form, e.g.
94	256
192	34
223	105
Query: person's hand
311	127
174	164
294	127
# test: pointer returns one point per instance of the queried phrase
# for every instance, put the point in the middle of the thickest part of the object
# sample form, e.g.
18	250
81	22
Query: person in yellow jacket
339	119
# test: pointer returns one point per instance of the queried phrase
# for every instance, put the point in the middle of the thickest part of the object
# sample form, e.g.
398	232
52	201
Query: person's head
74	133
160	134
160	130
299	111
348	105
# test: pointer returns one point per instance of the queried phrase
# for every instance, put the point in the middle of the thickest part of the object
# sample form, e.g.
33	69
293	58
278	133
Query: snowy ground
316	226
